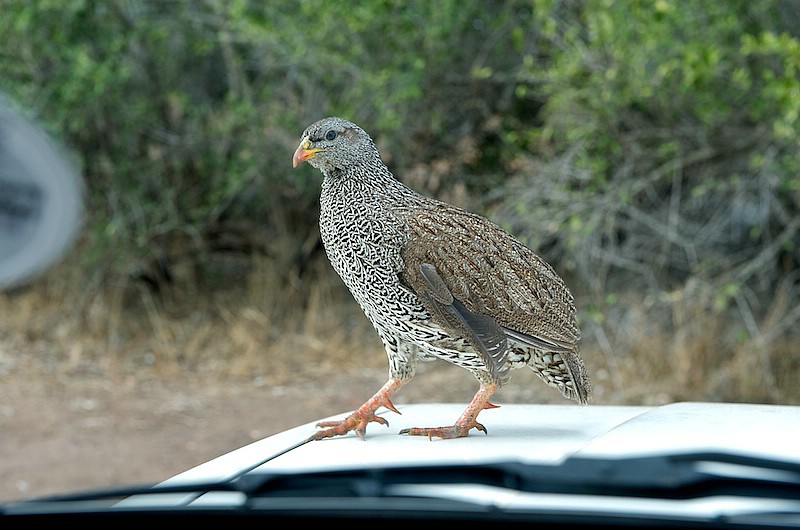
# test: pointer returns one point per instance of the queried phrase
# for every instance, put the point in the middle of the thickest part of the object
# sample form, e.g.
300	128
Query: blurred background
647	149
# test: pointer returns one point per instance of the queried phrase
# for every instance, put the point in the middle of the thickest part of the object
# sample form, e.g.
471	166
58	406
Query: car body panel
524	433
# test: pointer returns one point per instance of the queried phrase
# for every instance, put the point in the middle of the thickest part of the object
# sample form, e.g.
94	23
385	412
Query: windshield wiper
679	476
676	476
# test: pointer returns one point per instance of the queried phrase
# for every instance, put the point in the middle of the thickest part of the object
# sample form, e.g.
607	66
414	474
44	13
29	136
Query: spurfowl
436	281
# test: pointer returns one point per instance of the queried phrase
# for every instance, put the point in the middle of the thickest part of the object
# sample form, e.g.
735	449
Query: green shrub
670	136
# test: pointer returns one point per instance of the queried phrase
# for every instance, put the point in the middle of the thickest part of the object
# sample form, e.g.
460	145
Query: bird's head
335	144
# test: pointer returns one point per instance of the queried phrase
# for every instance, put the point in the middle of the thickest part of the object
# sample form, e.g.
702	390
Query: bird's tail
581	388
565	371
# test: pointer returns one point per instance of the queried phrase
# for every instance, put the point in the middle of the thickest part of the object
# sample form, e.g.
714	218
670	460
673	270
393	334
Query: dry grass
681	347
277	329
259	326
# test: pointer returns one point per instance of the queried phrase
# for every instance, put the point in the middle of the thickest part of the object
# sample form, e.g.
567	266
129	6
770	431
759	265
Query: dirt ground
66	433
73	432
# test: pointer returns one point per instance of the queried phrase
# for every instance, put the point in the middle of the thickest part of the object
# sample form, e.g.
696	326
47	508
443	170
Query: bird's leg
358	420
465	423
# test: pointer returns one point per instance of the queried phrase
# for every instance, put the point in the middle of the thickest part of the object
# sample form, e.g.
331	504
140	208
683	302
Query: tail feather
562	370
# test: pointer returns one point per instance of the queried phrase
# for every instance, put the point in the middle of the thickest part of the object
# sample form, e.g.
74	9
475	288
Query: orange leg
358	420
465	423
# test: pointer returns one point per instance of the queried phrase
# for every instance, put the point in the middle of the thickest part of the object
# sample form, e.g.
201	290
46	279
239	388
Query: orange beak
304	152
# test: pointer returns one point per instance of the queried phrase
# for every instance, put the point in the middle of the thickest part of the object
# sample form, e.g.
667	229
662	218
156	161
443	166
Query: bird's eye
330	135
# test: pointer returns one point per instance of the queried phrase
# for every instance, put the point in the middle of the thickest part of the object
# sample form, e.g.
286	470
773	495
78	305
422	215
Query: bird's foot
465	423
354	422
446	433
358	420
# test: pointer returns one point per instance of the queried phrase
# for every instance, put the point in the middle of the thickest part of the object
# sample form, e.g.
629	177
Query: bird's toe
446	433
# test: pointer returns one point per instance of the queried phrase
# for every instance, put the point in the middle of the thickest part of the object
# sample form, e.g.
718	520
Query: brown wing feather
485	335
493	274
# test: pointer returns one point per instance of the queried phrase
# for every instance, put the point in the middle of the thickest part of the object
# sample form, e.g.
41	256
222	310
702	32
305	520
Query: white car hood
525	433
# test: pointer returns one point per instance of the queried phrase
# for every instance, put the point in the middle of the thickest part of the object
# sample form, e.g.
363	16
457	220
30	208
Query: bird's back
492	272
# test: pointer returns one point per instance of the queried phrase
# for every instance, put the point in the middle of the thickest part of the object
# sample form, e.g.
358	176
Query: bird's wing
485	335
491	274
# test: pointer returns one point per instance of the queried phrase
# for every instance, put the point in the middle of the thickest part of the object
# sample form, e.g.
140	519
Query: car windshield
698	488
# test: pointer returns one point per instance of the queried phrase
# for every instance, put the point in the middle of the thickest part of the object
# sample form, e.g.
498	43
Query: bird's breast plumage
361	235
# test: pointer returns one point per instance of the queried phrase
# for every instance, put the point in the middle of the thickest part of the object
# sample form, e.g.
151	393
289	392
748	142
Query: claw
380	419
358	420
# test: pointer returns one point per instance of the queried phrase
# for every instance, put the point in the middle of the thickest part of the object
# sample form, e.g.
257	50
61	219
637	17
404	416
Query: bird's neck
371	180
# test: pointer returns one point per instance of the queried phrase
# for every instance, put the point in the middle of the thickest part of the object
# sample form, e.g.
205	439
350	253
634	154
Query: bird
437	282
